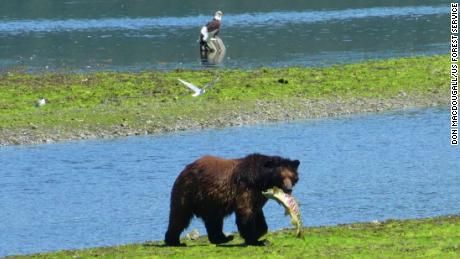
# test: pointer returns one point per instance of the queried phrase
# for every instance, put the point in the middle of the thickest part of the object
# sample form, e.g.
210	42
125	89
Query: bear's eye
296	179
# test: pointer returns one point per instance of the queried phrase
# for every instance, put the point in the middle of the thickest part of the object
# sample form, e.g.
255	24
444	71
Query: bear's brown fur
212	188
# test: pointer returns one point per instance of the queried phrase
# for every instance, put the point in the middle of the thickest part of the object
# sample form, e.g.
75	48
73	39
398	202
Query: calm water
93	193
139	35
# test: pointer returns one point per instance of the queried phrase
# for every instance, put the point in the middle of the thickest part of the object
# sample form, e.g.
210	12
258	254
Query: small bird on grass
198	91
41	102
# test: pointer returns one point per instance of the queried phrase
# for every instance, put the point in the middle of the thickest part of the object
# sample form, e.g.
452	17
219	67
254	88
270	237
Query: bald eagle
210	30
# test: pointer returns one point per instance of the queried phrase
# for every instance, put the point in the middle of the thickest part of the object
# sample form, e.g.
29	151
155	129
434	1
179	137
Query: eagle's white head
218	15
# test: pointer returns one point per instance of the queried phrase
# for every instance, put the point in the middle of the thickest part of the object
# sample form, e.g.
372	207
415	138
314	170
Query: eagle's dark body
212	26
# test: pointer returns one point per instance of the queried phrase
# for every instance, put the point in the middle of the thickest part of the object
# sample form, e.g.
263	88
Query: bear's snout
287	186
288	191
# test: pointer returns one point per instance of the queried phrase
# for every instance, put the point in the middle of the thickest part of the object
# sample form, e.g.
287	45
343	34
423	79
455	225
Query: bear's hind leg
179	219
261	224
214	226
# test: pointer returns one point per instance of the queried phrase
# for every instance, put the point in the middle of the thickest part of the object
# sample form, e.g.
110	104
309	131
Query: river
89	35
106	192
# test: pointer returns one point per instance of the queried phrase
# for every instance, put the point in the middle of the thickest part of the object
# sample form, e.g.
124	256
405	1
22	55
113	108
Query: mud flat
109	104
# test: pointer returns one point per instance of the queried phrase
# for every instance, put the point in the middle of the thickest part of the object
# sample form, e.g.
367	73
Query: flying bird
198	91
210	30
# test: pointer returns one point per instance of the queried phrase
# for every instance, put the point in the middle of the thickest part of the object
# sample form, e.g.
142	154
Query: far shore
258	112
108	105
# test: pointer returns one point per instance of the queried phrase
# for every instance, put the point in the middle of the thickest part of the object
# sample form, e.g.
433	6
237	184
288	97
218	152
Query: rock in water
214	53
290	205
215	44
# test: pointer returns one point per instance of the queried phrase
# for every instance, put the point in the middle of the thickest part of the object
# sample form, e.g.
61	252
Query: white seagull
198	91
41	102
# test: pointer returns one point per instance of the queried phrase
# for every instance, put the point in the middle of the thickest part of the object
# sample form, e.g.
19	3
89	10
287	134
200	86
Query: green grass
421	238
103	100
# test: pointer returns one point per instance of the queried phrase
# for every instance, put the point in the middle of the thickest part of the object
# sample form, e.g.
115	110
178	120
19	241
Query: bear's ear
295	164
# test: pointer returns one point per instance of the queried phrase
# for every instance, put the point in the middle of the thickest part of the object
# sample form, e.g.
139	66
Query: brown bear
212	188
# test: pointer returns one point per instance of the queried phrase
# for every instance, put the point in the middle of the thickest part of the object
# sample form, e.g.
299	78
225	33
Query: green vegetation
149	102
421	238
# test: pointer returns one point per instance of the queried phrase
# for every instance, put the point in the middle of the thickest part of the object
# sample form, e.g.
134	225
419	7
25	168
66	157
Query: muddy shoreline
291	109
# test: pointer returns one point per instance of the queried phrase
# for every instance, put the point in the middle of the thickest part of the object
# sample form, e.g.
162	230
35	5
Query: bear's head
281	173
264	172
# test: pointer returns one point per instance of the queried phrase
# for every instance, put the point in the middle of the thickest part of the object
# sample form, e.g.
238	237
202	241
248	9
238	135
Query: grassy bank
421	238
116	104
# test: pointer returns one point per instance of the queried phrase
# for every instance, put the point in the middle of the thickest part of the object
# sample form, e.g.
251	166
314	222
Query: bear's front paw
228	238
173	242
222	240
